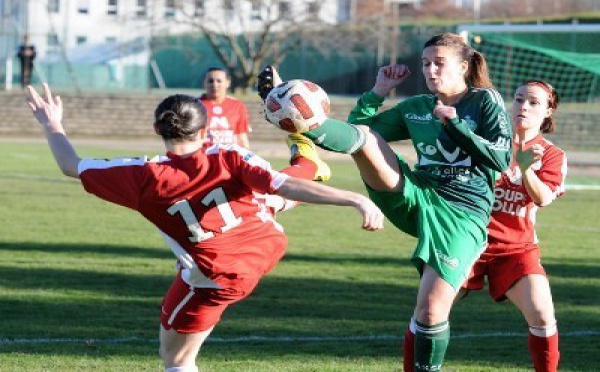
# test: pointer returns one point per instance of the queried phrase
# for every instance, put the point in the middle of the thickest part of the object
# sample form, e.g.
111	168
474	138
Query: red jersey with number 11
514	212
205	202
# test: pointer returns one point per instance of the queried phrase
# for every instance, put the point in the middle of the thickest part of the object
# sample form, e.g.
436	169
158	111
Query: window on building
285	9
313	8
344	10
52	42
169	8
53	6
228	10
81	40
256	11
199	8
83	6
112	8
141	8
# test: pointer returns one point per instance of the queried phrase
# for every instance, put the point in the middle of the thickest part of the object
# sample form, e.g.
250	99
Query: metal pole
394	44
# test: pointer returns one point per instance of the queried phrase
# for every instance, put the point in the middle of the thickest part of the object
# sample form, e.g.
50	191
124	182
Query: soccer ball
297	106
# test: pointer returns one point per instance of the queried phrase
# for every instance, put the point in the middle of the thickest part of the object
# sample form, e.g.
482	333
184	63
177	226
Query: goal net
567	56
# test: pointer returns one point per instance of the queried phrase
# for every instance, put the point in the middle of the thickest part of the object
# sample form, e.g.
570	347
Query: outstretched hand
389	77
443	112
527	157
372	216
48	111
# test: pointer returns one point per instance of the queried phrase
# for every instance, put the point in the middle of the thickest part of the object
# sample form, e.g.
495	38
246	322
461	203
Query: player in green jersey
462	137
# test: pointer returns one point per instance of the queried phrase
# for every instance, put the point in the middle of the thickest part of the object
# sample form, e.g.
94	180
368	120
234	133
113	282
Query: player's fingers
31	105
398	71
520	142
58	101
48	93
35	97
386	71
404	72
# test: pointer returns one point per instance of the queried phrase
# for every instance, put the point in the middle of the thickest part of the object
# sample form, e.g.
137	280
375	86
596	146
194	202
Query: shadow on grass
95	304
83	249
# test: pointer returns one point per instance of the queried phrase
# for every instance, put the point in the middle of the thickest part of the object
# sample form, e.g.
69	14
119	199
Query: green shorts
449	239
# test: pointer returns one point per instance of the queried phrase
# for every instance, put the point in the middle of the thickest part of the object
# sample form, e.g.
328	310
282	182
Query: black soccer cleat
268	78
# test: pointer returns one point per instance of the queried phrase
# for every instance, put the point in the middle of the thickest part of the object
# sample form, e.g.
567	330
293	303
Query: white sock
182	369
543	331
413	326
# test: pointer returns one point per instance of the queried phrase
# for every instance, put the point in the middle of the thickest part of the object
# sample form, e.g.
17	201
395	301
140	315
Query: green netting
570	62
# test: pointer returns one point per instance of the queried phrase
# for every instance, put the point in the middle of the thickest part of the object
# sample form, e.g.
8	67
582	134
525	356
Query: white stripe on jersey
495	97
190	273
86	164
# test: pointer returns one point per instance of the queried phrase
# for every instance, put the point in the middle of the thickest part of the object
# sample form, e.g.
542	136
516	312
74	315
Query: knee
430	314
541	317
172	356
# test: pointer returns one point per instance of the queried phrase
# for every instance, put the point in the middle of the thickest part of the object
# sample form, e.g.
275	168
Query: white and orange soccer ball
297	106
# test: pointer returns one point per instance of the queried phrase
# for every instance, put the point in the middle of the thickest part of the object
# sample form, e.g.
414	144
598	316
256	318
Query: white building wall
71	26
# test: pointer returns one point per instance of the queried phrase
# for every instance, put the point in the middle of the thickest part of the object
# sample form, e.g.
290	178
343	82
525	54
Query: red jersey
514	212
225	120
205	204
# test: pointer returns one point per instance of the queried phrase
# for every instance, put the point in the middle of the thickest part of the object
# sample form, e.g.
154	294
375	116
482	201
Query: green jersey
461	159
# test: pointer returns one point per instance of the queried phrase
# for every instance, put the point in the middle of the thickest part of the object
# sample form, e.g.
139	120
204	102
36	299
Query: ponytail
478	75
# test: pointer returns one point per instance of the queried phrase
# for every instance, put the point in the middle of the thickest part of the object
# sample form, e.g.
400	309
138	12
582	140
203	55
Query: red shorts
503	268
192	310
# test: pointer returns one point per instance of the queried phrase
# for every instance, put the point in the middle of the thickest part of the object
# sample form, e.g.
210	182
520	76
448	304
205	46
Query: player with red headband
511	261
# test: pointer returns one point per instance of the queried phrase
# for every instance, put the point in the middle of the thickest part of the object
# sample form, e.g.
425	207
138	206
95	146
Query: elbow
544	202
70	168
70	172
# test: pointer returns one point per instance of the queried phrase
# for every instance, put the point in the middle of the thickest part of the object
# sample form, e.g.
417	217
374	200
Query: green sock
431	343
338	136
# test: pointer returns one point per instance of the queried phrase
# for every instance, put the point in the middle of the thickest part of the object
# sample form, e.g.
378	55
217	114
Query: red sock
301	167
544	352
409	350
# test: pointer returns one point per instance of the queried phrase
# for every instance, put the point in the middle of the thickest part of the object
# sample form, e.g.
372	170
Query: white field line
282	339
574	187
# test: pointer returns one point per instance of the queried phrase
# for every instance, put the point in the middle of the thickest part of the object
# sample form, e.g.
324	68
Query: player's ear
464	68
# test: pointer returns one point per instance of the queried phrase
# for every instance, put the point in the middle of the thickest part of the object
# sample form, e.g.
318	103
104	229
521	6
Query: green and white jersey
461	159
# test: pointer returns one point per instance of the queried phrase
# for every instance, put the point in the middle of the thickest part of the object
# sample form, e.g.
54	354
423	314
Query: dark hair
179	117
478	75
211	69
549	123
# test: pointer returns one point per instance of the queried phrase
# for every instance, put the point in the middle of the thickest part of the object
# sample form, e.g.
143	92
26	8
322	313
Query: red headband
545	86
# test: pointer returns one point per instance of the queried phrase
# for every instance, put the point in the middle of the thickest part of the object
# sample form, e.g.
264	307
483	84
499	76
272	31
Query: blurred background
114	59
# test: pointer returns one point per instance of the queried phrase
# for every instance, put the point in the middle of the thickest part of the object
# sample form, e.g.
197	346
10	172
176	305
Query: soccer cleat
302	146
268	78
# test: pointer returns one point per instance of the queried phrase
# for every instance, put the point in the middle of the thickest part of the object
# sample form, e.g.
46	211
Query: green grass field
81	283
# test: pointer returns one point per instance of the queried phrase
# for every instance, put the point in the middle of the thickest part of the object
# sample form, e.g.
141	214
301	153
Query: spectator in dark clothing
26	55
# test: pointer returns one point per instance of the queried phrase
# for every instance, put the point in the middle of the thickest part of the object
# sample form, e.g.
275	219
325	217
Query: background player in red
512	260
227	116
204	204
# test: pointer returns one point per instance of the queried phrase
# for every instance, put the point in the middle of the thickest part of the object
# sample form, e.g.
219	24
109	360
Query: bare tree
247	34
